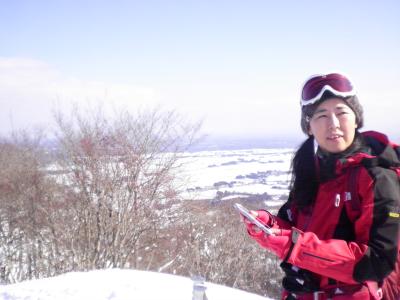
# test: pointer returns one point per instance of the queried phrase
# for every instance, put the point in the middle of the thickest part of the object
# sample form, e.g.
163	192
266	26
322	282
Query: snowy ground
232	173
238	172
117	284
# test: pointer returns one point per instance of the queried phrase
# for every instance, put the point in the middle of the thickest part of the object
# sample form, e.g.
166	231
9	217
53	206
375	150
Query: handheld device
246	213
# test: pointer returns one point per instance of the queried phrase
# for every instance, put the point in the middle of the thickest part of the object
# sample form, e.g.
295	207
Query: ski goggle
317	85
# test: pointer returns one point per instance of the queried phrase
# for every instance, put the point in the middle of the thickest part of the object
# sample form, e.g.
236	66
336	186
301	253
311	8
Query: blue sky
238	65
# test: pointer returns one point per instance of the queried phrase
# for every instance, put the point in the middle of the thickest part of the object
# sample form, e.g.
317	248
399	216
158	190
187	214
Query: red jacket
338	247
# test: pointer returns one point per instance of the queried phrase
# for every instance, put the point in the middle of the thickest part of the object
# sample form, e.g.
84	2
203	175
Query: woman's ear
308	120
310	133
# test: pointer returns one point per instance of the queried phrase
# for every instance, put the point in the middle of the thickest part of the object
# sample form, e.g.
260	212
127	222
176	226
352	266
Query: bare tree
121	176
108	196
26	195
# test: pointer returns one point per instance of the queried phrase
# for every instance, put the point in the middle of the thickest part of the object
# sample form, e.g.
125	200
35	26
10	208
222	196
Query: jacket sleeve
373	254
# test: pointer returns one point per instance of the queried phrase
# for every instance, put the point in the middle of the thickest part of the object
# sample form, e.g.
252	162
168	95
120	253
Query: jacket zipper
319	257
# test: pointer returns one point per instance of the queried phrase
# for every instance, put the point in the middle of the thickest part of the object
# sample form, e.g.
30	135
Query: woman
338	232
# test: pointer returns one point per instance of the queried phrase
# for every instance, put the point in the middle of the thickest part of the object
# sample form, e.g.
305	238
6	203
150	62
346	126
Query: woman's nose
333	121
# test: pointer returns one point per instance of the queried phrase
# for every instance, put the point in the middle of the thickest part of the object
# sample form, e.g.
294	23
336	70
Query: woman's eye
321	116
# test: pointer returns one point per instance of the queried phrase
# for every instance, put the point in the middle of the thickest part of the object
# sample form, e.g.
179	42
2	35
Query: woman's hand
263	216
279	242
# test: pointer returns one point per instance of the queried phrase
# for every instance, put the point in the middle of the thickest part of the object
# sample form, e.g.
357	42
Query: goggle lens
337	83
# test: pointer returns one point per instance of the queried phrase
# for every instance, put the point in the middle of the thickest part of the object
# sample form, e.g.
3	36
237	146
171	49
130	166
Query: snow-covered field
225	174
237	172
117	284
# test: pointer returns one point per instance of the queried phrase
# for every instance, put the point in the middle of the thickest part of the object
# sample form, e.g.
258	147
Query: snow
117	284
203	169
244	172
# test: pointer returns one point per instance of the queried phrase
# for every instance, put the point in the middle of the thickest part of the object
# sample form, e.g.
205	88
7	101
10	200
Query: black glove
298	280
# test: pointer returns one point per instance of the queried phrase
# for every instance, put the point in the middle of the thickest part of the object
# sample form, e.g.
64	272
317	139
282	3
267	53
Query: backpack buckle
318	295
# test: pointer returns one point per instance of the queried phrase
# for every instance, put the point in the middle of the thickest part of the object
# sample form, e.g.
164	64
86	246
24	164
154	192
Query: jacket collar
366	145
332	164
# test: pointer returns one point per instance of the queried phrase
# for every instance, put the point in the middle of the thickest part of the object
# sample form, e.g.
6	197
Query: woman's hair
304	182
307	111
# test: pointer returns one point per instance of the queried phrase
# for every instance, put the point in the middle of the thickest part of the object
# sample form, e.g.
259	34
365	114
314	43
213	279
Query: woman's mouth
334	137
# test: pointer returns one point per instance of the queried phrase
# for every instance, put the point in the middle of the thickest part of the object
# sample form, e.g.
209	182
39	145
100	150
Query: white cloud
31	89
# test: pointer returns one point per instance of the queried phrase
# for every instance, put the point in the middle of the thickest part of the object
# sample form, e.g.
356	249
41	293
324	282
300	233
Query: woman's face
333	125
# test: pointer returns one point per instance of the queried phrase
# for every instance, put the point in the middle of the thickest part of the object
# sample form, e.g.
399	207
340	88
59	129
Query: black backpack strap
354	174
379	161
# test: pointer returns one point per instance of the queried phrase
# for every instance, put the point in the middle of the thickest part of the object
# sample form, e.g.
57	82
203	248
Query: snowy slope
117	284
